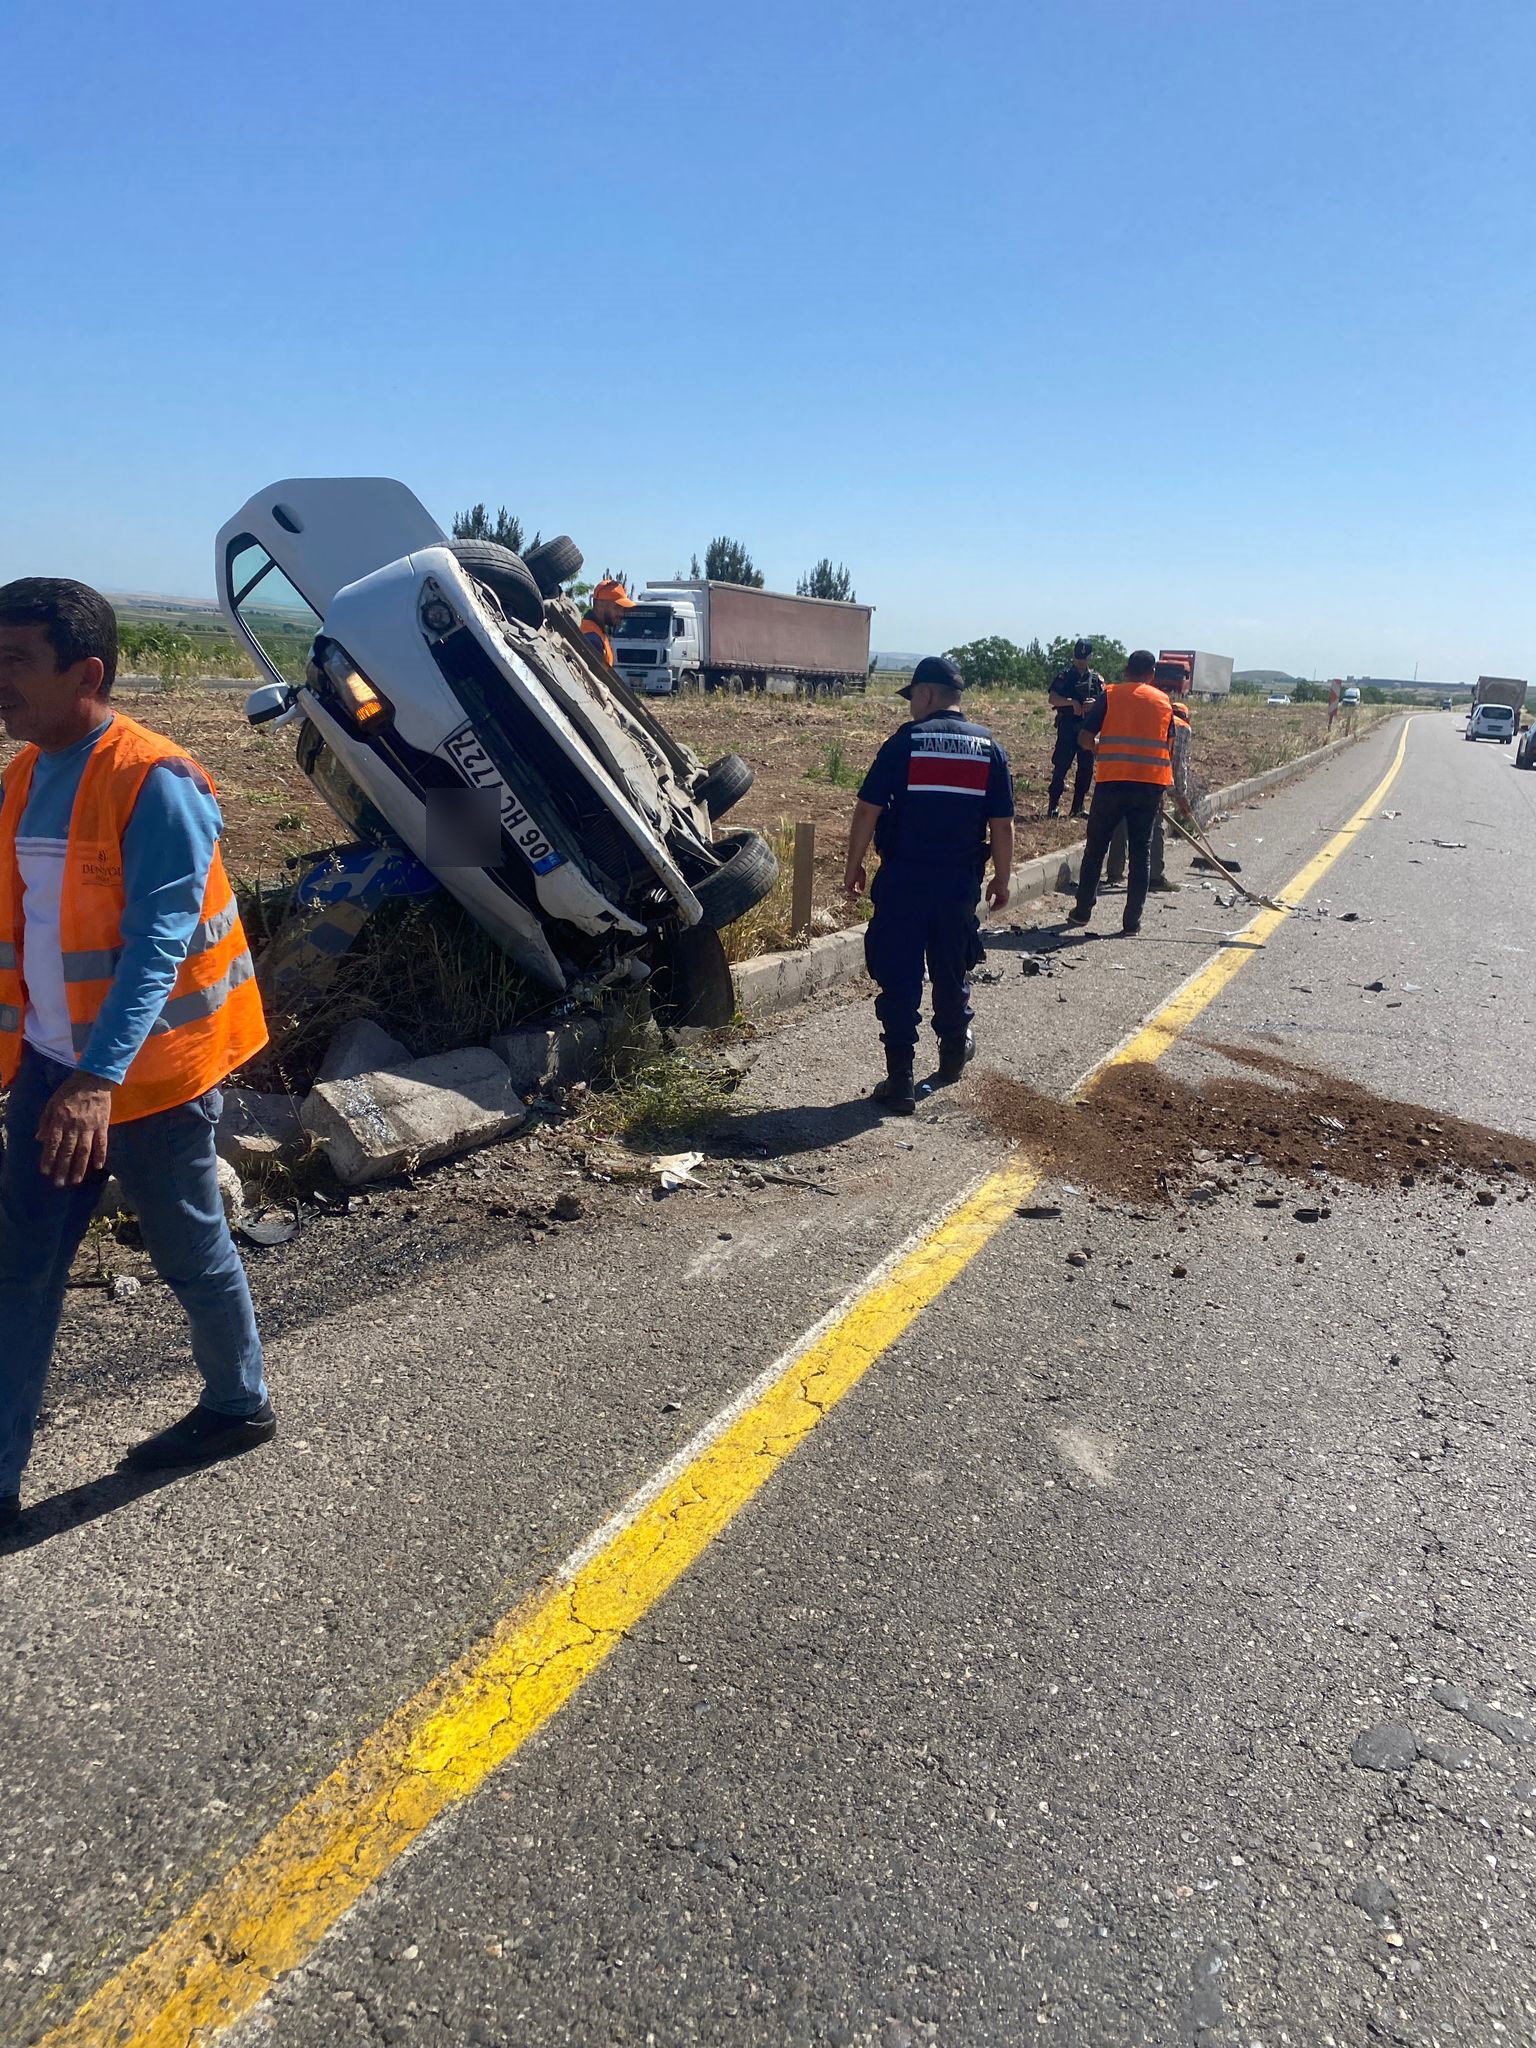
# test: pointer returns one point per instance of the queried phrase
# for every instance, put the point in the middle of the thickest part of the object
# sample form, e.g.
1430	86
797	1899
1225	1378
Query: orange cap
612	591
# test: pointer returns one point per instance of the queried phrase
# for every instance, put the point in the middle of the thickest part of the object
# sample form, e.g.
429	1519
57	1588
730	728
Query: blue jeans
168	1169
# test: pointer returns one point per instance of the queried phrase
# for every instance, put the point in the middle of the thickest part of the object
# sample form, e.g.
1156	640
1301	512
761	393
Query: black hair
79	622
1140	662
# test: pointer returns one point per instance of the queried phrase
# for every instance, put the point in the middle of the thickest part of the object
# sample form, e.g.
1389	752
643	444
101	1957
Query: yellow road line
268	1913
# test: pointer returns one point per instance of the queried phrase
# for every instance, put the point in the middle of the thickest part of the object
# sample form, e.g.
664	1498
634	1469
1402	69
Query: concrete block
538	1059
360	1047
378	1124
231	1193
259	1130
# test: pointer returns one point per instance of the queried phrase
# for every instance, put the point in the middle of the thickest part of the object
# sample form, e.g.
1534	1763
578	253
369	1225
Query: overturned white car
446	698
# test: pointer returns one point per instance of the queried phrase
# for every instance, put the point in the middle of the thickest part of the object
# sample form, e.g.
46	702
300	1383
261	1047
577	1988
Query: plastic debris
675	1170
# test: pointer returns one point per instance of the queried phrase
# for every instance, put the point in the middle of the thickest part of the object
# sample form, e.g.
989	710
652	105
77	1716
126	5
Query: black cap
1082	649
937	669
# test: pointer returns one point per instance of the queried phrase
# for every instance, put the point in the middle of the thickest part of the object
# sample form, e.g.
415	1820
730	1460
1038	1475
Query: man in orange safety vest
127	996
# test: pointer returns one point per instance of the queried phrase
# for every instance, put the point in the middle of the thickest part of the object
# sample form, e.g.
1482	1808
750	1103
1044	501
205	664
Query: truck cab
658	647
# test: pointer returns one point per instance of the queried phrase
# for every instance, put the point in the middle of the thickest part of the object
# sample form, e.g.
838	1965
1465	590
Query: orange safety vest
212	1018
1136	738
594	631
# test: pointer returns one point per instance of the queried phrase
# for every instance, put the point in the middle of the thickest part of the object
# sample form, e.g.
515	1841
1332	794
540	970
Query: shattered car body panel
426	694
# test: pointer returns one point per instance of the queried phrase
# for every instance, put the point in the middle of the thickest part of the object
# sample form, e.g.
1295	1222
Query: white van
1492	722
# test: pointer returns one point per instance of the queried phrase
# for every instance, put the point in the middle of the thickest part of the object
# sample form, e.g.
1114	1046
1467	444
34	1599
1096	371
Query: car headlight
364	707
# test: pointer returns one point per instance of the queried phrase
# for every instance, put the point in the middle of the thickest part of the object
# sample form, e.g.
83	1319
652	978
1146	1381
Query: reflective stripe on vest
1136	738
211	1021
100	963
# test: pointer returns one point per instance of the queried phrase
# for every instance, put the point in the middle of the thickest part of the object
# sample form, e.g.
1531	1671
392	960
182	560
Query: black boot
896	1090
953	1055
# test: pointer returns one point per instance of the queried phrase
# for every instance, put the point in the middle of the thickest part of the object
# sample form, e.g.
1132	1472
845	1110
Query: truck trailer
727	636
1508	690
1210	674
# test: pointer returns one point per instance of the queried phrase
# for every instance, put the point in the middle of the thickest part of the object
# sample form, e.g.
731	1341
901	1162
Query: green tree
504	529
825	581
727	561
1308	693
991	663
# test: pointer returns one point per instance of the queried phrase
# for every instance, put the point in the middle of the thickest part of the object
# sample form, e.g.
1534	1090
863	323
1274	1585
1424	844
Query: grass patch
835	768
766	926
649	1093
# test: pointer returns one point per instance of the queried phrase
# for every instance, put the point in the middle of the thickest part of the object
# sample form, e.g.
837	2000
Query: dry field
808	757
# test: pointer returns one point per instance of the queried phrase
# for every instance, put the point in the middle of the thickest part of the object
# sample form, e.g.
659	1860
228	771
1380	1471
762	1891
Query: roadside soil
809	757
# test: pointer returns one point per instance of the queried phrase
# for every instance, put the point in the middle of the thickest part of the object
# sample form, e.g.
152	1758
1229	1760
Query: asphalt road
1025	1700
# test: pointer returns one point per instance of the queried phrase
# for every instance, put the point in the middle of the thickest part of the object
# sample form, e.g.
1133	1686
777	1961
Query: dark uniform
1069	724
938	783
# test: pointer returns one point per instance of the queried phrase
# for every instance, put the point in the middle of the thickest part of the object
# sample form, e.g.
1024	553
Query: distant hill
1267	678
902	663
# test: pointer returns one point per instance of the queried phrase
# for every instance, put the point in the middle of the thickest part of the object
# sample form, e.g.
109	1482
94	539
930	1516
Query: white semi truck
727	636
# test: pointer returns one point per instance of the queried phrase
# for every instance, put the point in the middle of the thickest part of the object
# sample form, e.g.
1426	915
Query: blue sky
1203	322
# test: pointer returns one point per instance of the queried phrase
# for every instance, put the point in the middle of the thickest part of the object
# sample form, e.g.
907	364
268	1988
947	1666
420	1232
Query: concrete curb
777	981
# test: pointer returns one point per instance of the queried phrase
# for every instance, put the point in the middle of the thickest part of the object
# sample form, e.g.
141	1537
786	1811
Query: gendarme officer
1072	690
936	801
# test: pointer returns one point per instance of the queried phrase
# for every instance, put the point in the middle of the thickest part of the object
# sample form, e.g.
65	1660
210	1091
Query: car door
324	532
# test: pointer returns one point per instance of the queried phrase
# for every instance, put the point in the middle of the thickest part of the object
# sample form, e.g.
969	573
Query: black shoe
1077	811
1161	886
10	1515
201	1437
1129	931
953	1055
1078	917
897	1092
1053	812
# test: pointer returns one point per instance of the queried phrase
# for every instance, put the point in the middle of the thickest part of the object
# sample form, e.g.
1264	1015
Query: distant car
1492	722
447	700
1525	753
1350	696
1277	699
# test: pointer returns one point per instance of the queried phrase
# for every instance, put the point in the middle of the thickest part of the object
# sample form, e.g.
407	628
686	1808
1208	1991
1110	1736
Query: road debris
269	1226
675	1170
1138	1132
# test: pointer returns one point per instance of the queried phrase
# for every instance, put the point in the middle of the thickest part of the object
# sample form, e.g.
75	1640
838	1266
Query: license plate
477	767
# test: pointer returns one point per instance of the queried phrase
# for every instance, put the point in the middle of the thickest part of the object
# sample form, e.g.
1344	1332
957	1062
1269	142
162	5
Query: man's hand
998	892
855	883
72	1130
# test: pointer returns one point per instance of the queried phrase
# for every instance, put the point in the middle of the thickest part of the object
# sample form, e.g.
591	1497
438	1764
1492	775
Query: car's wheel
689	683
723	784
692	983
505	574
553	562
747	872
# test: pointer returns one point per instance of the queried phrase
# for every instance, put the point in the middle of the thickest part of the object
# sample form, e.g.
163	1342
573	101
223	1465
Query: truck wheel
724	783
689	682
506	575
692	984
748	872
553	562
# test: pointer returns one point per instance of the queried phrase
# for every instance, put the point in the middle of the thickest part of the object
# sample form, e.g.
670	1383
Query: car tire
553	562
747	873
505	575
692	986
723	784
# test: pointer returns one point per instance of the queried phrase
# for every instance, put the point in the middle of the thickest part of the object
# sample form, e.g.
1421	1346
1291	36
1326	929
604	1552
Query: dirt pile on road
1145	1136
